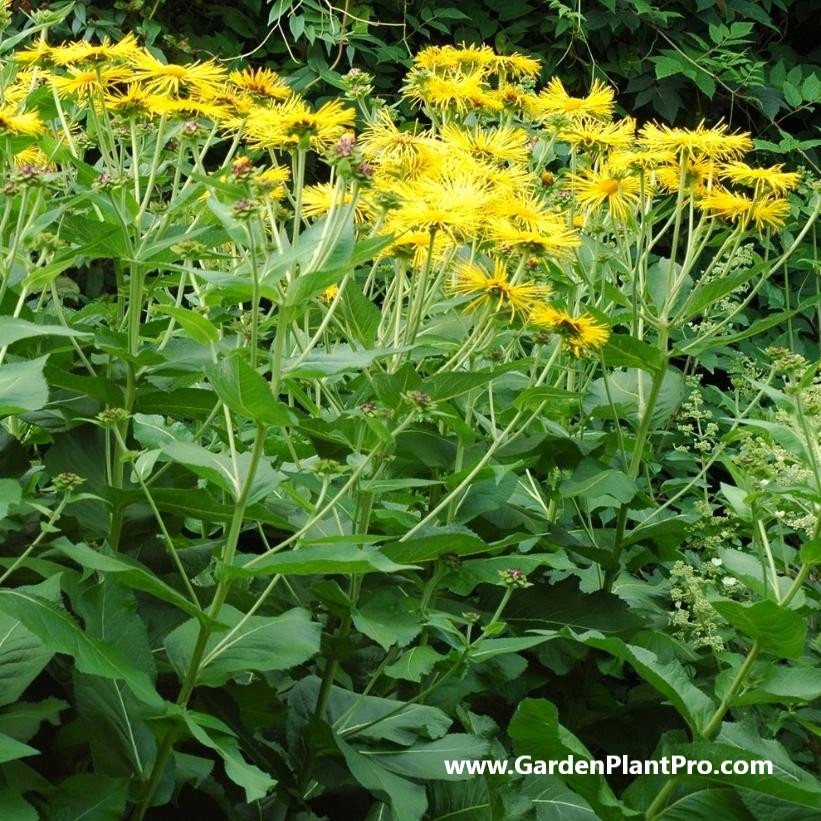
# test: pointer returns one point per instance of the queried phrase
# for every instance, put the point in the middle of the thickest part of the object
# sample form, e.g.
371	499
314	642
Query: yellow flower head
773	178
457	92
14	123
702	143
518	65
40	52
495	289
593	135
765	213
204	78
698	176
84	81
456	59
558	242
527	211
294	124
640	159
261	83
404	152
446	202
84	52
595	188
580	334
598	104
318	199
496	145
330	293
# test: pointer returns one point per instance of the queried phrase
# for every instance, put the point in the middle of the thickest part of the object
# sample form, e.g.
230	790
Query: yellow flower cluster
466	194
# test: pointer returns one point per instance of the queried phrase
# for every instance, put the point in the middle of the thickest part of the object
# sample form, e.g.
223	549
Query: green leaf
388	617
414	664
453	540
715	803
552	800
218	737
214	467
261	643
129	572
668	677
23	719
10	494
536	732
618	395
13	805
13	330
89	797
425	759
407	800
314	561
197	326
488	648
778	631
12	749
23	387
120	740
811	552
245	392
23	655
628	352
61	634
783	685
342	359
602	487
667	67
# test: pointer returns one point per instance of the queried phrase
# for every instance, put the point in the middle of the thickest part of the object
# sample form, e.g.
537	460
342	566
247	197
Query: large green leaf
90	797
623	394
13	329
129	572
11	749
313	561
245	392
261	643
425	759
552	800
23	386
13	805
778	631
389	617
61	634
23	655
407	800
217	736
536	732
668	677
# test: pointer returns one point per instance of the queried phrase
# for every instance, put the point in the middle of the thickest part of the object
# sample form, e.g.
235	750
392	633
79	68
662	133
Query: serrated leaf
23	387
245	392
779	631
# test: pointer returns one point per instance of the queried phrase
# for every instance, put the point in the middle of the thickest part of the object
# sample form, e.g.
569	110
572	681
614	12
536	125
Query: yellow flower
498	145
527	211
169	78
84	52
495	289
83	81
599	103
518	65
405	152
458	92
558	242
511	98
40	52
581	334
135	101
448	203
453	58
414	245
642	158
272	181
768	212
698	176
595	188
14	123
261	82
317	201
773	178
293	124
702	143
329	294
600	136
33	156
188	108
